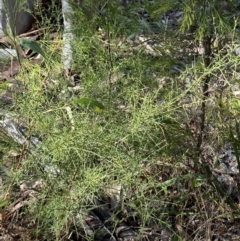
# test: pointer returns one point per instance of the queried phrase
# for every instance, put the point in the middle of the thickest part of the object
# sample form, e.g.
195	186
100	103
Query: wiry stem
207	44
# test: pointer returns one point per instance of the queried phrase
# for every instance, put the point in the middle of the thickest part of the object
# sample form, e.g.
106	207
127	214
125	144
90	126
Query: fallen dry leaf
12	70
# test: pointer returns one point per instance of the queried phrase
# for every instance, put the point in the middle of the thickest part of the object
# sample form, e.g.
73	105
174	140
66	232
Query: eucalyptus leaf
94	104
27	43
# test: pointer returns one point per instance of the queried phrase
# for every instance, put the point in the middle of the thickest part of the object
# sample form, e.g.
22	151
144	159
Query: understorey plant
213	27
148	101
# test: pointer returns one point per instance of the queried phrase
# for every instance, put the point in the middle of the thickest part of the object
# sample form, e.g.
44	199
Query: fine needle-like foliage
138	129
